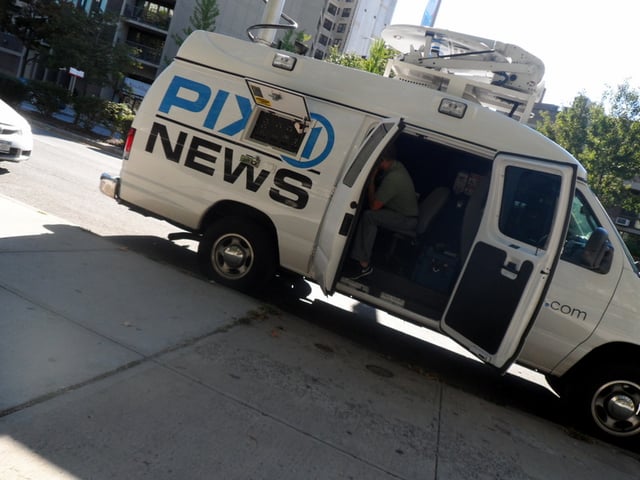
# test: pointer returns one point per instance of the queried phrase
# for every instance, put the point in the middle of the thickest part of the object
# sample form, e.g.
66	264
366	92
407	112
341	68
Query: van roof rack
499	76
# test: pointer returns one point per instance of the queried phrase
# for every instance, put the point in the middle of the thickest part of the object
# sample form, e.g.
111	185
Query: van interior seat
472	216
428	208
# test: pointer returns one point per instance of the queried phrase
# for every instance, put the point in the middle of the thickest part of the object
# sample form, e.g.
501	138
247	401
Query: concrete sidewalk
115	366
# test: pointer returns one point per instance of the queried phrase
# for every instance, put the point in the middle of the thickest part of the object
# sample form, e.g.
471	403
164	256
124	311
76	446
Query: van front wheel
237	253
610	398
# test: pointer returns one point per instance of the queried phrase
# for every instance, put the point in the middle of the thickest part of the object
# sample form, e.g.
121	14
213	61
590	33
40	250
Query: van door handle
510	270
511	267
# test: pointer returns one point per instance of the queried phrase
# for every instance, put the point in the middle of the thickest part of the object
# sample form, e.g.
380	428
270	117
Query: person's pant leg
368	229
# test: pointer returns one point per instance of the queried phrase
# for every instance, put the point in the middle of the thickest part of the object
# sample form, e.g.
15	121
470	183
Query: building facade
151	27
351	25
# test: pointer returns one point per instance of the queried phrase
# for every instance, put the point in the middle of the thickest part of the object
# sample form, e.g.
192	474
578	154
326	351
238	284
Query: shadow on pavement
360	326
288	293
92	274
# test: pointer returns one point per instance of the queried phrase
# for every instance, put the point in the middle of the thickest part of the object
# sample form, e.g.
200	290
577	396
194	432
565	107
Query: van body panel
622	321
578	301
619	325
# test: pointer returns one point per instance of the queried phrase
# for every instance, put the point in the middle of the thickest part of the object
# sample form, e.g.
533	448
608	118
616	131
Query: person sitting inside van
393	204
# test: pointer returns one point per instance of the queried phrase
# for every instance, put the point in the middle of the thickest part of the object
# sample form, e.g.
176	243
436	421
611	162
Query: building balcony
146	54
11	43
157	20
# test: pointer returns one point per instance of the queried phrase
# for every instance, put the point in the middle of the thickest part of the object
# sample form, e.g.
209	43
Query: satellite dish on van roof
498	75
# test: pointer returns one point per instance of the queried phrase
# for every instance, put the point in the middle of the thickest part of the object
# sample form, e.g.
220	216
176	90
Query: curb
76	136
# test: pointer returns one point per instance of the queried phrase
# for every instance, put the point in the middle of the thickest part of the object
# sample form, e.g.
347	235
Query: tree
375	62
289	41
605	138
351	60
30	22
379	55
62	35
204	17
85	41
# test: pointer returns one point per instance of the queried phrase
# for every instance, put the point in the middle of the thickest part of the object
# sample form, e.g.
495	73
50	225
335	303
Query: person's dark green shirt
396	191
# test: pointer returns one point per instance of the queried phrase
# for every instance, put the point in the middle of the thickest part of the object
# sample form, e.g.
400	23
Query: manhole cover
383	372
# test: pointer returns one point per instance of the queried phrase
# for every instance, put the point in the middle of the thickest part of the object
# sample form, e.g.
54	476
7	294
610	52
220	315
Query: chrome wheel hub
232	256
616	408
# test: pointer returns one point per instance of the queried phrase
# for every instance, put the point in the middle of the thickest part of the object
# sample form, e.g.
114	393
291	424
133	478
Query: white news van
263	155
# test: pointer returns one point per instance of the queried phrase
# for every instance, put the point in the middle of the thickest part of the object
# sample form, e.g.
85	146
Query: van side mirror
598	252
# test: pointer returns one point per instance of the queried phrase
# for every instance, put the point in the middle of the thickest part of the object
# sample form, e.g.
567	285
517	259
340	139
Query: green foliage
118	117
29	22
5	12
48	97
63	35
89	111
85	41
624	102
13	90
378	56
204	17
375	62
288	40
605	138
345	59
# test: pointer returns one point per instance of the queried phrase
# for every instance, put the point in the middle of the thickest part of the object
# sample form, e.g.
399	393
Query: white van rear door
521	231
339	218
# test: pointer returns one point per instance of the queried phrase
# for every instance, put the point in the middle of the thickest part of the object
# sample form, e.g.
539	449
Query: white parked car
16	140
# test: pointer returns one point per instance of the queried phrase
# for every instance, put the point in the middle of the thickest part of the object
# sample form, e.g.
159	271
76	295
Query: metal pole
271	15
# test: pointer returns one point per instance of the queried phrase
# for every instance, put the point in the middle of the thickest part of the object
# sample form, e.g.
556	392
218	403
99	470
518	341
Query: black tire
238	253
608	399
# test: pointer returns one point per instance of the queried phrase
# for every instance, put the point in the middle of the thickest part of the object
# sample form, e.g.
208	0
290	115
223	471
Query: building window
332	9
327	24
346	12
323	40
341	27
319	54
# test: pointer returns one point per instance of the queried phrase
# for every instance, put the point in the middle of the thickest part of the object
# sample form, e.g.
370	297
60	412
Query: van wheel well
611	353
230	208
617	353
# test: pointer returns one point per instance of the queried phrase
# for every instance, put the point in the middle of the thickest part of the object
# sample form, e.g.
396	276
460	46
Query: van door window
528	205
372	142
582	223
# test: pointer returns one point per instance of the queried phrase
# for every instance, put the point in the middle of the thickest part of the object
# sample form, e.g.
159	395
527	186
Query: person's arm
371	193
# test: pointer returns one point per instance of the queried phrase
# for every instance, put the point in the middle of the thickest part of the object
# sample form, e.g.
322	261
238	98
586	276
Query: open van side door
338	223
520	233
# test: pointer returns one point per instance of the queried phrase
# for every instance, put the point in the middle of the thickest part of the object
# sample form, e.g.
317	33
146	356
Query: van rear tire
237	253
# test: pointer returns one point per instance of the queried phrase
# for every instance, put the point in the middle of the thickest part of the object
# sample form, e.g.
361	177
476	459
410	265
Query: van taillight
128	143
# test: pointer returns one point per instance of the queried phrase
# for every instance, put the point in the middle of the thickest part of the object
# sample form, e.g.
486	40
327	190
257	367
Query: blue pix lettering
194	97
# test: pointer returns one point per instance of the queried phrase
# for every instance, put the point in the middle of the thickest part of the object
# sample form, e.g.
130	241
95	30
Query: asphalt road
62	177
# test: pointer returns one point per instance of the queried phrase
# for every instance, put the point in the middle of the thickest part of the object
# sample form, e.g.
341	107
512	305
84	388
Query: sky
586	46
